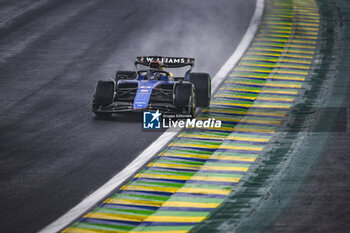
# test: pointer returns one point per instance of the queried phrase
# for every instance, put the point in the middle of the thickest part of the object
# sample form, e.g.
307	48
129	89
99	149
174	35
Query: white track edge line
163	139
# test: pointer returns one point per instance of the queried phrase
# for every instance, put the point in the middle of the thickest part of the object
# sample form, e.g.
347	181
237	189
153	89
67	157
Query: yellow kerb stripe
184	155
180	144
280	92
181	166
235	96
133	202
218	168
249	112
234	158
81	230
275	99
155	218
121	217
242	129
215	178
231	104
159	176
251	139
190	204
241	148
204	191
149	188
270	106
202	136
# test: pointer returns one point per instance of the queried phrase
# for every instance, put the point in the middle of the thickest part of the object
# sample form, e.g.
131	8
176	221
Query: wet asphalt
53	150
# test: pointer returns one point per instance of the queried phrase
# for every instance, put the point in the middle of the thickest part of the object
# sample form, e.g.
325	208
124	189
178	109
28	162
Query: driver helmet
156	65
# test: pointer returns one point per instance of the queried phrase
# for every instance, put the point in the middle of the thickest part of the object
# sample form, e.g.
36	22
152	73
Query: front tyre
104	96
202	84
184	97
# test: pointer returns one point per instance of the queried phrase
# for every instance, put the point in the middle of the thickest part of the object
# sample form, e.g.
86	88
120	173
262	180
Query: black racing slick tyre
184	97
104	96
202	84
126	75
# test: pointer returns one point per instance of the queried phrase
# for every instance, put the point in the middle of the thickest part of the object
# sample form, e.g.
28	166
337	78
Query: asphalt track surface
53	151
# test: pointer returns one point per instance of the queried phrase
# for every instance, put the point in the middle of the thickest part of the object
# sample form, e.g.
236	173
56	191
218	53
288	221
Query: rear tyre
202	84
126	75
184	97
104	96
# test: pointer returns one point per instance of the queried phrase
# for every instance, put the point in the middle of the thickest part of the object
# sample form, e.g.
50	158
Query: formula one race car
153	88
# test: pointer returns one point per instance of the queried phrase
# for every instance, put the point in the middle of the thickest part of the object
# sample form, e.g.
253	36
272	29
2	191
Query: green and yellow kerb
201	167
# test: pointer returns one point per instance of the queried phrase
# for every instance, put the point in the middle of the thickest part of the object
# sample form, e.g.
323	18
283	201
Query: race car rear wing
167	62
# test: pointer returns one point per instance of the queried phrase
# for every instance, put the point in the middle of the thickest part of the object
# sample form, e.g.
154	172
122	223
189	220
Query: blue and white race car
153	88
